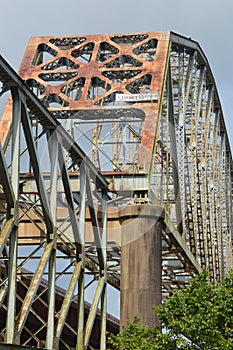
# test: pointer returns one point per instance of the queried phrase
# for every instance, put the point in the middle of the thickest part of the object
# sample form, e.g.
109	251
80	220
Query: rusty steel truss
96	125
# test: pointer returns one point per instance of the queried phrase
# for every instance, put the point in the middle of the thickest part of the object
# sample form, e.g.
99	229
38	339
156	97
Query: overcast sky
207	21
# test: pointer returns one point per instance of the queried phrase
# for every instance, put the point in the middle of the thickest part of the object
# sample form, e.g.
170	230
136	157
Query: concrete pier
141	264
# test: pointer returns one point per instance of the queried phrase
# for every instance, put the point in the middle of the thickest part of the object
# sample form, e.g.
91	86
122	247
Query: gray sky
207	21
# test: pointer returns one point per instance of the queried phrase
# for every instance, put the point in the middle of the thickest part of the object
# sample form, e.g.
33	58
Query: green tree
198	317
137	336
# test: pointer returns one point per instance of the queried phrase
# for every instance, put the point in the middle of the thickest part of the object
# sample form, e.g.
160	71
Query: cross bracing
75	159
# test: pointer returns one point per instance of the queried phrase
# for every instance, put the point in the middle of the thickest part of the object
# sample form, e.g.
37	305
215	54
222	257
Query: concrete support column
141	264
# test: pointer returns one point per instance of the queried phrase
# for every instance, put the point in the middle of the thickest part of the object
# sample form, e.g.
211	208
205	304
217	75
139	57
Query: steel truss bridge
101	132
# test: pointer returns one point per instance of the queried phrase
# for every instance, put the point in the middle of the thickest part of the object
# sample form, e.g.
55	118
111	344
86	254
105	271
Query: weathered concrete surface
141	266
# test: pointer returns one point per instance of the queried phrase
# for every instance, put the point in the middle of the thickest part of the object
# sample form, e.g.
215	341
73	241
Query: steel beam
66	303
95	224
32	290
36	168
5	181
93	310
13	248
6	231
70	202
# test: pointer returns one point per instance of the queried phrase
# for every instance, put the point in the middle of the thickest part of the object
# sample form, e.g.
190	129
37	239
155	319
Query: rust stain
54	67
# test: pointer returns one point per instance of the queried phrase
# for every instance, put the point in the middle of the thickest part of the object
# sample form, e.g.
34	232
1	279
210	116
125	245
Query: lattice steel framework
132	120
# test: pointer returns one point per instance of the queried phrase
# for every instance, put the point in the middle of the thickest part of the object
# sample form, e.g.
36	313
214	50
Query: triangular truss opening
124	61
84	53
74	89
43	54
36	87
62	63
54	101
141	85
106	51
67	43
129	39
97	88
147	51
120	76
57	78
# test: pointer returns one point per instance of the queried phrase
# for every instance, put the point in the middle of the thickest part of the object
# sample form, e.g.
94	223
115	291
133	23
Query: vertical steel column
222	211
228	200
202	170
212	195
196	190
95	224
93	311
12	266
82	218
66	303
53	151
104	293
188	212
80	313
5	181
101	253
207	161
34	158
180	137
172	135
79	239
217	183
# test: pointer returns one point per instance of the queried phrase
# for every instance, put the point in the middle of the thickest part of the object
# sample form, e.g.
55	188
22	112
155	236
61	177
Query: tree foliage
138	336
198	317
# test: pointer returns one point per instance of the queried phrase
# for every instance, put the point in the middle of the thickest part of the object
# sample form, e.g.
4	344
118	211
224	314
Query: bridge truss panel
193	156
44	255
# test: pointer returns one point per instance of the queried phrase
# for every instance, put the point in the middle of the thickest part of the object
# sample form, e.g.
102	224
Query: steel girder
50	244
